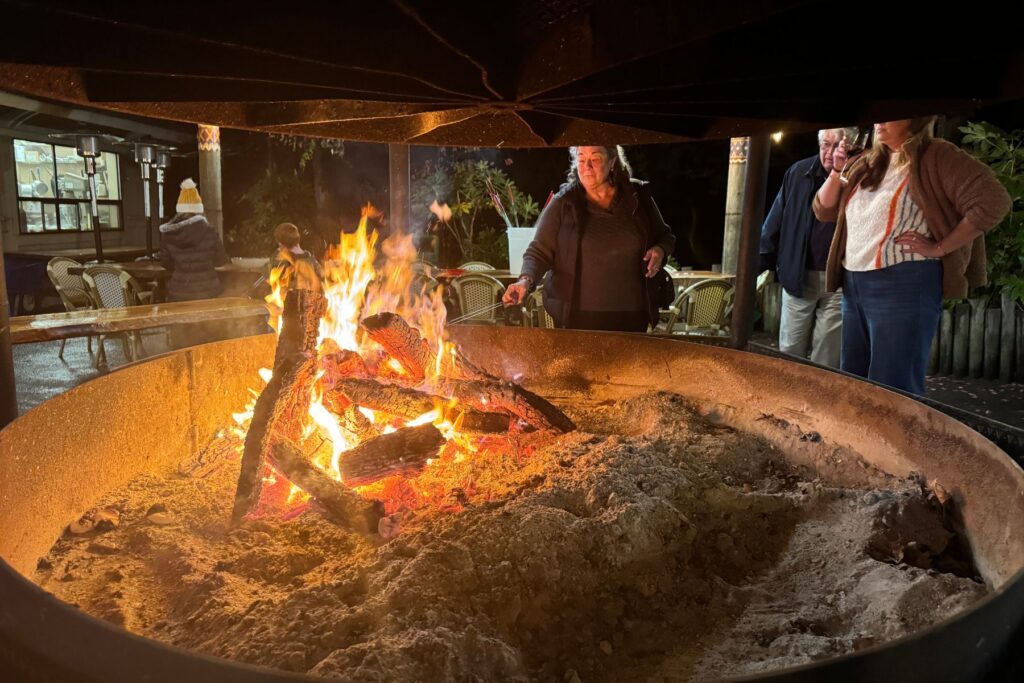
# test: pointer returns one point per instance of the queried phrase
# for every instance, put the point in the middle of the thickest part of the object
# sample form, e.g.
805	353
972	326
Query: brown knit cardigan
951	187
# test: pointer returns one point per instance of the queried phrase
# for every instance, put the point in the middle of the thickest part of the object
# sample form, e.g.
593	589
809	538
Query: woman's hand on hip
916	243
653	259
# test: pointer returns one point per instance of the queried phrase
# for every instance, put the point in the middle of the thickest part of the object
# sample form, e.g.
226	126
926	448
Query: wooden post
398	164
208	138
993	318
976	352
961	335
1006	341
946	342
738	151
749	241
933	355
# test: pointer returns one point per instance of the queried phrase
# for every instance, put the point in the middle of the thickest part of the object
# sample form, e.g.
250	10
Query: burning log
342	364
349	417
343	504
358	424
303	309
279	408
511	398
404	452
411	404
389	398
277	414
475	421
402	342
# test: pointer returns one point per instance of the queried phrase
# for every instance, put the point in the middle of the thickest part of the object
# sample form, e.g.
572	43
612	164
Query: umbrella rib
256	50
431	129
530	128
269	81
367	117
415	16
357	119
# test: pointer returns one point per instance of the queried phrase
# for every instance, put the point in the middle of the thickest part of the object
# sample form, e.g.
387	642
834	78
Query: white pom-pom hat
189	200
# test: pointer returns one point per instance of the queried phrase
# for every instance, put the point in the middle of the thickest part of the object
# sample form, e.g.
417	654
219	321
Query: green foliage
306	147
474	227
278	197
1004	244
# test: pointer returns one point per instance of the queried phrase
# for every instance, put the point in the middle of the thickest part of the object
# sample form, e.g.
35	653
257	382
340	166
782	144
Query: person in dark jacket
601	240
191	249
795	245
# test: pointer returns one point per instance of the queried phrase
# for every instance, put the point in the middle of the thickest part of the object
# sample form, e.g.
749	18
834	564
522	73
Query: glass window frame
58	202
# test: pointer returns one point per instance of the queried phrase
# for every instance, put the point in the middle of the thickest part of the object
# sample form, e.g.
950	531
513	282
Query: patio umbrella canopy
526	73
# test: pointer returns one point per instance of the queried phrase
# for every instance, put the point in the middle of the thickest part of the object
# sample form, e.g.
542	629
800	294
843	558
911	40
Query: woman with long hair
910	217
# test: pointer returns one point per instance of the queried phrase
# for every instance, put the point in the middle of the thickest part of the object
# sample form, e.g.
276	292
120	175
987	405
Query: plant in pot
474	203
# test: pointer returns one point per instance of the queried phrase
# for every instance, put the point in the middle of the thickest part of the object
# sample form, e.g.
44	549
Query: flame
442	211
363	276
425	418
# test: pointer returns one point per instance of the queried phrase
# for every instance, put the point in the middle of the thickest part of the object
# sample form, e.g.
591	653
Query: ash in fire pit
648	542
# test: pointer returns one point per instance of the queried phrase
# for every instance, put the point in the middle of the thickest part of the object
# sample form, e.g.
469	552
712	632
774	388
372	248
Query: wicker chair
71	289
536	314
477	295
476	265
112	287
702	308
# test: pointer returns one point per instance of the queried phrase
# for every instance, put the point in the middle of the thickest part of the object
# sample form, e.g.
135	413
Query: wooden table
83	254
50	326
152	270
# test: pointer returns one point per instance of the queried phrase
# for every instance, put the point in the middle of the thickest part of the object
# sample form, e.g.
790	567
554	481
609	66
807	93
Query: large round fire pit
59	459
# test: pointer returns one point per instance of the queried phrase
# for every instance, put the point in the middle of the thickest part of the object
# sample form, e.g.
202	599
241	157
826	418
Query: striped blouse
874	219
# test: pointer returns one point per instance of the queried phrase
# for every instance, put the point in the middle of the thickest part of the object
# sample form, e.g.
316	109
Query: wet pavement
986	398
40	374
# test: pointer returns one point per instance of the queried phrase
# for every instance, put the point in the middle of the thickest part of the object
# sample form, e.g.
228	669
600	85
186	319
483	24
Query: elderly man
795	245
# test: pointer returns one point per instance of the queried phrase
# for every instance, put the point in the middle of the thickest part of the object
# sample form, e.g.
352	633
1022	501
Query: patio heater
87	144
145	156
147	153
163	162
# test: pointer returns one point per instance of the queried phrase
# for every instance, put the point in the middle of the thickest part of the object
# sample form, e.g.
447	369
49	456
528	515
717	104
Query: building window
53	189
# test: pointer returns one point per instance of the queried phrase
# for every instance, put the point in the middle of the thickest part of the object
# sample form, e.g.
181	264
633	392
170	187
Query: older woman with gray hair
599	244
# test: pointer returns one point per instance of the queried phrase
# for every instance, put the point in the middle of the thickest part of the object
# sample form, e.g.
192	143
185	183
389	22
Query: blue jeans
889	318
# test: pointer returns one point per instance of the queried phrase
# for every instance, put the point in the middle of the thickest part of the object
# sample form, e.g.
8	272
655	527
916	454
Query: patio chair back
477	295
538	316
110	287
70	288
702	307
476	265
